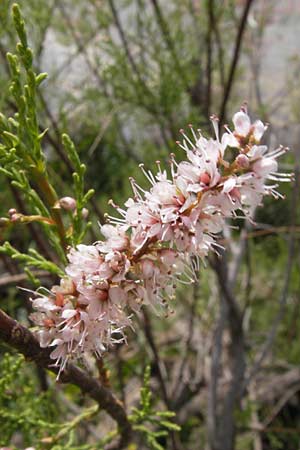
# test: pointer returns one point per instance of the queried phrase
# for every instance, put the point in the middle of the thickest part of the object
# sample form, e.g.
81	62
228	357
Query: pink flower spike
160	238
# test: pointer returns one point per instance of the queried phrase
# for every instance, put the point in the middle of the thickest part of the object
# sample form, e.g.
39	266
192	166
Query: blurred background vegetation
123	77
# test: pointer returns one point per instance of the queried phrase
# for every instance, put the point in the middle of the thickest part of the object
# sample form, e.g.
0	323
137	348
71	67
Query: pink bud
12	211
235	193
115	265
84	213
102	295
205	178
103	285
59	299
15	217
67	203
48	323
242	161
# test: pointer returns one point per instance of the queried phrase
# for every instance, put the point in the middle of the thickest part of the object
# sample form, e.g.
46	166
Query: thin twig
41	243
124	40
226	426
179	384
151	342
18	278
209	48
279	405
220	49
150	338
212	418
235	58
44	30
169	42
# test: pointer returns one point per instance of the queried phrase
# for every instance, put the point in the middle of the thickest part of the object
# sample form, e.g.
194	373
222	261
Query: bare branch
151	342
226	428
150	338
18	278
212	418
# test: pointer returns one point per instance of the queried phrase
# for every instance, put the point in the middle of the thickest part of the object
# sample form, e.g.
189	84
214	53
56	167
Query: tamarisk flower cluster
158	238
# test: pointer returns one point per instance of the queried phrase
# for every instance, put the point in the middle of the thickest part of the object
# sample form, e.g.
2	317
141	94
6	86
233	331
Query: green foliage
22	409
34	416
147	420
21	155
32	259
23	162
79	226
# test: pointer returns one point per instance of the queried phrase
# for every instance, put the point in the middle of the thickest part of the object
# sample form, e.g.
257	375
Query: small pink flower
264	166
244	128
116	238
68	203
242	161
242	124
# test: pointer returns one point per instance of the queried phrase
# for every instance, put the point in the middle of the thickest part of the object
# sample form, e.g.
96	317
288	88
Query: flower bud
205	178
12	211
84	213
59	299
242	161
235	194
15	217
67	203
103	285
48	323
